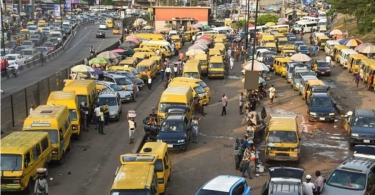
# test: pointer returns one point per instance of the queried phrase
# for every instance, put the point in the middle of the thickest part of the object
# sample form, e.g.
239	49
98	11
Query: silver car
125	96
113	102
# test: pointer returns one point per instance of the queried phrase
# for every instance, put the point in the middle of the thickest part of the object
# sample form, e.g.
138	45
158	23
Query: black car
100	34
360	123
321	67
292	40
298	43
176	128
66	30
321	107
303	49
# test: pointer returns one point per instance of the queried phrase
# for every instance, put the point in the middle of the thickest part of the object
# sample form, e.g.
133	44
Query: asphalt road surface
76	50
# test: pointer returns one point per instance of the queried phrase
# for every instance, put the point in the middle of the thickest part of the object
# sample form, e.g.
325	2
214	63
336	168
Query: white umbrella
258	66
300	57
82	68
336	32
109	55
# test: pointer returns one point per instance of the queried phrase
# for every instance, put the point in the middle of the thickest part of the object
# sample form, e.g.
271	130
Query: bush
264	19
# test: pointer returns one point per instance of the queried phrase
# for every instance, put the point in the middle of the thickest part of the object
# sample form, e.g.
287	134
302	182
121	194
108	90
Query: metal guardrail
37	62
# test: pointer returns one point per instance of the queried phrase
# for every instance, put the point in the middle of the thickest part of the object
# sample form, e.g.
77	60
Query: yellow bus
175	96
198	91
163	164
216	67
69	99
55	120
129	62
150	37
203	63
21	154
136	175
197	81
109	22
85	91
192	69
149	65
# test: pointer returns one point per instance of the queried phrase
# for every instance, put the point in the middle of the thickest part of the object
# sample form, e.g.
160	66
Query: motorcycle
13	70
152	131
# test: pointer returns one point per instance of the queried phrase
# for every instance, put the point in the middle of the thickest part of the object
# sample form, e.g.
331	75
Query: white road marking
80	40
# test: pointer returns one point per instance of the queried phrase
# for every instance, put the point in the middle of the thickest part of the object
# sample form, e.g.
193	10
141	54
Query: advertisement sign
56	10
308	2
68	5
76	1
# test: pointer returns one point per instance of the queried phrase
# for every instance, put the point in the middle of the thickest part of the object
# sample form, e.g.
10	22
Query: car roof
357	164
365	112
222	183
320	95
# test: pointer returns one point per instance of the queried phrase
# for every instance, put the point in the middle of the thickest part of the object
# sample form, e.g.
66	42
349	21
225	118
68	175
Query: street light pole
255	32
61	15
246	24
2	31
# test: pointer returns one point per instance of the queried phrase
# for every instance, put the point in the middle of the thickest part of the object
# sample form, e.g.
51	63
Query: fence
15	107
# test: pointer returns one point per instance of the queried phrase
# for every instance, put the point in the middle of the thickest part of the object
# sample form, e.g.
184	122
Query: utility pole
246	24
255	32
19	7
61	15
32	8
2	30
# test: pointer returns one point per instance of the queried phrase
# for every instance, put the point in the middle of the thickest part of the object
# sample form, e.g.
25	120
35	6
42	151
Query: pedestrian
41	58
229	53
96	116
135	91
319	183
101	121
308	187
41	184
272	92
132	126
231	62
181	56
88	116
242	101
356	79
149	79
253	103
175	70
237	53
168	71
370	80
162	72
32	108
314	49
237	153
82	117
106	113
224	102
194	123
246	162
328	60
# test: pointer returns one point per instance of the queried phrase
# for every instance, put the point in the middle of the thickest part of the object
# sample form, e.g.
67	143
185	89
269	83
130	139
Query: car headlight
297	84
354	135
313	113
296	150
269	148
159	140
112	113
331	114
180	141
271	144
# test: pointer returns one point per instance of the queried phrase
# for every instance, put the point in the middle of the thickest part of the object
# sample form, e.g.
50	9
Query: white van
322	14
344	56
308	26
309	18
329	47
322	22
222	28
259	28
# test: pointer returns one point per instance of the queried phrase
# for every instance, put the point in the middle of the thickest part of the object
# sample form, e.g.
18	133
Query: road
75	51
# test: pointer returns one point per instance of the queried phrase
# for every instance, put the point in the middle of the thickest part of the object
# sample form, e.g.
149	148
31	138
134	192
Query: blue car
321	107
225	185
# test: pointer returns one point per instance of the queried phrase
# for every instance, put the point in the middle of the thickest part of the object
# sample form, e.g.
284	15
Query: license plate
366	141
322	72
322	119
170	145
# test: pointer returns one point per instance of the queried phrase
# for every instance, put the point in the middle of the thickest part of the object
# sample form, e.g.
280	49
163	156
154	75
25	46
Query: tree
240	23
263	19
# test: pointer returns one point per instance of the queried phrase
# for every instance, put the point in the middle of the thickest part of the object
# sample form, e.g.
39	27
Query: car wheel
62	159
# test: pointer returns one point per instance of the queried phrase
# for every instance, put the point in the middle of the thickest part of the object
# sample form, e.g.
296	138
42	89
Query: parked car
303	49
12	58
29	54
225	184
321	67
139	82
100	34
43	50
124	95
28	44
360	125
123	82
114	104
289	177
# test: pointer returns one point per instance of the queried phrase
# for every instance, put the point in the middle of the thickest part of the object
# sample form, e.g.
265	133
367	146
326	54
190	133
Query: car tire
62	159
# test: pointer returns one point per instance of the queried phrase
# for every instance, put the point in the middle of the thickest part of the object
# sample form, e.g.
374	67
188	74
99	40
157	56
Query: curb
139	143
338	107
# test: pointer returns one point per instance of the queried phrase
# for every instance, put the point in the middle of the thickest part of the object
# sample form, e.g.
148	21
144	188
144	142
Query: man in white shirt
168	71
308	187
328	60
272	92
97	113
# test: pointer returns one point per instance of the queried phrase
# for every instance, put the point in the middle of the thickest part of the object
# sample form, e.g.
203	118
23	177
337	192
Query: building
180	16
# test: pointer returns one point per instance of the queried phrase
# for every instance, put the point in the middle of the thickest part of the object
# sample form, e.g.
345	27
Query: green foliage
240	23
106	2
263	19
362	10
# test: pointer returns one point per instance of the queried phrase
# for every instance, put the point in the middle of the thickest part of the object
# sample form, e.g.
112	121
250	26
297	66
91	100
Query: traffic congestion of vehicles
156	101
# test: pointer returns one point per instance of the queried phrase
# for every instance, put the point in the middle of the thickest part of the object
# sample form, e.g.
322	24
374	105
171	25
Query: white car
102	26
12	58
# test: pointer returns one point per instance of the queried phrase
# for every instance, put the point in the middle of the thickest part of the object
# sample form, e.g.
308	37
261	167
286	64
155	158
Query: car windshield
366	122
172	126
203	84
11	57
199	90
322	64
73	114
282	137
123	81
116	87
163	106
27	52
211	192
11	162
216	65
131	192
303	48
31	27
191	74
321	102
54	35
110	101
142	68
53	134
348	180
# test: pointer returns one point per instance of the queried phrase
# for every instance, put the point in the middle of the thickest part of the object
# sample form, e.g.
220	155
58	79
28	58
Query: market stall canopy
365	48
82	68
300	57
258	66
336	32
194	52
250	25
119	50
98	60
353	42
199	46
203	41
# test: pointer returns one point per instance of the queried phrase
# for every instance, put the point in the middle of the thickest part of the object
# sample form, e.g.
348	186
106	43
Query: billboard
308	2
56	10
68	5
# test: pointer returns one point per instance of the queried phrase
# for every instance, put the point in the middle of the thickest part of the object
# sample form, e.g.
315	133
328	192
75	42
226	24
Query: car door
188	127
239	189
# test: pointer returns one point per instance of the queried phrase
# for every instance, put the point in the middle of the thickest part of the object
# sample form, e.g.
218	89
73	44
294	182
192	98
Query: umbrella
270	24
250	25
109	55
365	48
128	44
300	57
282	20
148	27
193	52
204	41
197	25
342	41
98	60
198	46
258	66
336	32
82	68
134	39
204	37
139	22
118	50
353	42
